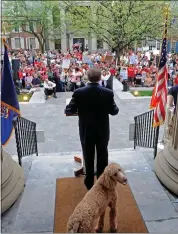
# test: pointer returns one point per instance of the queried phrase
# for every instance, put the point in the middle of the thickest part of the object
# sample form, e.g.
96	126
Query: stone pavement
34	211
127	95
38	97
61	132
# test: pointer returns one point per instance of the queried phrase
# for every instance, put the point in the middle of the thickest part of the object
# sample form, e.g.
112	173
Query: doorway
81	41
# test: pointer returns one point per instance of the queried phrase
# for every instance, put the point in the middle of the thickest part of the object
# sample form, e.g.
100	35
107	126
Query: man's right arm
113	109
45	85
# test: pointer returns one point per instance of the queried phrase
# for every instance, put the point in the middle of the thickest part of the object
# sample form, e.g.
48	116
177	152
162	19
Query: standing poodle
95	202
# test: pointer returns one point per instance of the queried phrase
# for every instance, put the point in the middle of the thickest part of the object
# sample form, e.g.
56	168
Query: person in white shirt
104	77
49	88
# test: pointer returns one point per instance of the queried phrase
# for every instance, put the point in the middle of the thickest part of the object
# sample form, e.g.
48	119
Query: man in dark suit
93	104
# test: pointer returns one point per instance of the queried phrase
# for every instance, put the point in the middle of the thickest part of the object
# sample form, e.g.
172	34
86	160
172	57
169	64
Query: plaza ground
34	210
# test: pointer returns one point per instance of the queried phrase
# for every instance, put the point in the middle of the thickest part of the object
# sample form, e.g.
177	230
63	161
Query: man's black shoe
55	96
46	97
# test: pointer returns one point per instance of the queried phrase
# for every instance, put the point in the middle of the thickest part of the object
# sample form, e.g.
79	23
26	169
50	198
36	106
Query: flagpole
154	94
168	111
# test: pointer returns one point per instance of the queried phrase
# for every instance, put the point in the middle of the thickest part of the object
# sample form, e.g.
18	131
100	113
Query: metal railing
26	138
145	135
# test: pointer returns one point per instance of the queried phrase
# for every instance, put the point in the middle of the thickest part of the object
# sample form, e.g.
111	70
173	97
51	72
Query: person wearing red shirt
135	70
176	80
20	74
44	76
131	74
113	71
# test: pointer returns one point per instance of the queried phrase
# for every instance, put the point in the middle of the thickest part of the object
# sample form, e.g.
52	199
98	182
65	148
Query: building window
31	27
16	29
99	44
158	45
144	43
32	43
17	43
150	47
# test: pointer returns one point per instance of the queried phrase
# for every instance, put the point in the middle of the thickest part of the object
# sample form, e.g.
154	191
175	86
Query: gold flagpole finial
166	10
4	42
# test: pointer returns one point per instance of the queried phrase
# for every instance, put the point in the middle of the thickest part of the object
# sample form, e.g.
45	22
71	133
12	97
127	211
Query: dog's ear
105	180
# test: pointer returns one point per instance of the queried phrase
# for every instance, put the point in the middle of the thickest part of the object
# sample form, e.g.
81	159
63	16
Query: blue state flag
9	101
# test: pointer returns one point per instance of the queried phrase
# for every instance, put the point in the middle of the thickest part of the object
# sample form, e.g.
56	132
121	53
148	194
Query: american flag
159	98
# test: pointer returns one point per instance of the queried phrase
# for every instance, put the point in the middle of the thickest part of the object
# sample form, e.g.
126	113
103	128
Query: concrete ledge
40	135
38	97
131	131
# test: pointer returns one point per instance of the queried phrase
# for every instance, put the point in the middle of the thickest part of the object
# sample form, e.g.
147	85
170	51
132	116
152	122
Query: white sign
146	48
134	59
86	59
155	52
124	73
65	63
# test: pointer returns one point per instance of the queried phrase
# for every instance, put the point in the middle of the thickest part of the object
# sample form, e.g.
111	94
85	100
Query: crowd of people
68	71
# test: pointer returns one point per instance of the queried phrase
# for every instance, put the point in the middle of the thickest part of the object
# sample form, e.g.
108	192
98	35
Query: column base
12	182
166	168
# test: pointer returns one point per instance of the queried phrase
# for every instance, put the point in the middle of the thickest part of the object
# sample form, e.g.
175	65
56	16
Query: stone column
63	28
51	37
105	46
12	181
169	114
166	162
93	36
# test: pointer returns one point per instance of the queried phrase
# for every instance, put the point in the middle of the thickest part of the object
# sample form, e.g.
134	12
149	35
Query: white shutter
22	43
37	44
13	43
20	28
27	45
27	27
35	26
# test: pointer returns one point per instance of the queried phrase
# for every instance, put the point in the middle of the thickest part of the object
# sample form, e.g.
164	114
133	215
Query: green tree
119	23
25	13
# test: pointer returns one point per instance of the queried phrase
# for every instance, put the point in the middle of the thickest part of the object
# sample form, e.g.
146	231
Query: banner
124	73
86	59
108	59
9	101
66	63
134	59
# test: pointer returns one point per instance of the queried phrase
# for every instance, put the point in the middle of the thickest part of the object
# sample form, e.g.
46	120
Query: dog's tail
74	228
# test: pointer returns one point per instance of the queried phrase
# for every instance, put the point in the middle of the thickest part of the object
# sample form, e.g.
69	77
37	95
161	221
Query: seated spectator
148	80
28	81
172	96
35	84
49	88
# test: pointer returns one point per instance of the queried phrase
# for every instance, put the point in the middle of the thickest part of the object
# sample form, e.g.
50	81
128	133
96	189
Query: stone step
36	210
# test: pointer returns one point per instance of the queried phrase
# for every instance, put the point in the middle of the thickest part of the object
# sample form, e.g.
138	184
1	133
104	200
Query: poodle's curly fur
95	202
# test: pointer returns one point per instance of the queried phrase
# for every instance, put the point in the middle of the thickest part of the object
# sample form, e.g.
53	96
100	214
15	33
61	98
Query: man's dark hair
94	74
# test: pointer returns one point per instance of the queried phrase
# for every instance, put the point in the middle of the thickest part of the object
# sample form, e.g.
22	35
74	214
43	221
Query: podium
78	159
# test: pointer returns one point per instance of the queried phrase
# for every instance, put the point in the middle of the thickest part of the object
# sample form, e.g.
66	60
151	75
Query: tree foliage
25	13
119	23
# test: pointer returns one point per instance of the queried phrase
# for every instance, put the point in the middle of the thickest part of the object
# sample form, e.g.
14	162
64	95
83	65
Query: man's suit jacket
93	104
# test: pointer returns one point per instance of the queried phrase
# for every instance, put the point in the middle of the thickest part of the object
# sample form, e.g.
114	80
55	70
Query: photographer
49	88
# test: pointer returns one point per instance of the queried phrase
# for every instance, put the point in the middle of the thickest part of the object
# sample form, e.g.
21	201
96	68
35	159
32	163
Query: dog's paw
98	230
113	230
